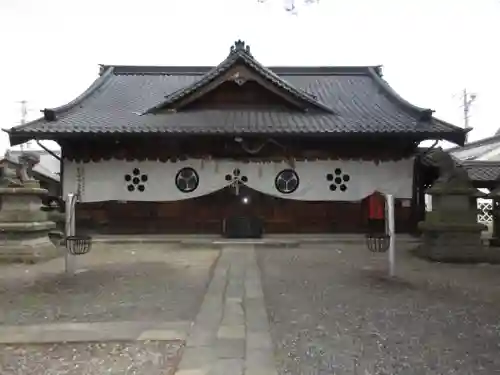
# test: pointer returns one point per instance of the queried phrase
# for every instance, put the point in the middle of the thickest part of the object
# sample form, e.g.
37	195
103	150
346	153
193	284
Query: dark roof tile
476	149
363	104
241	54
482	170
478	171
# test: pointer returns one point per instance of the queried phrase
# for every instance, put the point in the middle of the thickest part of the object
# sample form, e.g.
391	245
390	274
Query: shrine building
195	149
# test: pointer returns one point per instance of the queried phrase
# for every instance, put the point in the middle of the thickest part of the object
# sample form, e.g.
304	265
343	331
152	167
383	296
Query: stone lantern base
455	244
451	233
27	242
24	227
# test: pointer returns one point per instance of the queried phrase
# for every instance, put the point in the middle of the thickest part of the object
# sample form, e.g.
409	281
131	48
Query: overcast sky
430	49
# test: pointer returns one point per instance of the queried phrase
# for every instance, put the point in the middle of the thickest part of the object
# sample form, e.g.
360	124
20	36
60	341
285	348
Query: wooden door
244	217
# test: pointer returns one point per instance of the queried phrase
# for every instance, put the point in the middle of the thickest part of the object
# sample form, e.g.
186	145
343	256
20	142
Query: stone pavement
231	332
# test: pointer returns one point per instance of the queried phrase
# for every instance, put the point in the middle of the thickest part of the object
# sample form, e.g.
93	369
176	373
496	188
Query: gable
240	68
249	94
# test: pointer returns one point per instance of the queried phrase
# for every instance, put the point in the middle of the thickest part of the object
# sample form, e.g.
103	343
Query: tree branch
290	5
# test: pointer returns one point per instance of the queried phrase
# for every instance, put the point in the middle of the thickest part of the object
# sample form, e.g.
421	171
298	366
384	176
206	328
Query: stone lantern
24	227
450	232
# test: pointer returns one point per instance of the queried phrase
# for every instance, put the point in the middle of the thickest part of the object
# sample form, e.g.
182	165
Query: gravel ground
334	311
114	283
111	358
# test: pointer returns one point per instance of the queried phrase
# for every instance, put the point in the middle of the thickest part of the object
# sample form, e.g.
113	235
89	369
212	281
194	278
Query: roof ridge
98	83
239	51
377	77
41	152
425	113
478	143
201	70
88	92
480	162
289	87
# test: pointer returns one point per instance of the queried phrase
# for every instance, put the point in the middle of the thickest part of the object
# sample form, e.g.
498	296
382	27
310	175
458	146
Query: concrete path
231	332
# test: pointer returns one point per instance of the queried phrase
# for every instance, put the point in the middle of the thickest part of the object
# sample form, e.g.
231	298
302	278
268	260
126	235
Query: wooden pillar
418	196
496	217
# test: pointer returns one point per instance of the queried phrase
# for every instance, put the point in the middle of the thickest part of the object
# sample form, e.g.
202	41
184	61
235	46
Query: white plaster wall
103	181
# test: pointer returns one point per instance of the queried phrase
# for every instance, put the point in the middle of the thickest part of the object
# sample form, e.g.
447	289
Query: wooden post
392	234
69	259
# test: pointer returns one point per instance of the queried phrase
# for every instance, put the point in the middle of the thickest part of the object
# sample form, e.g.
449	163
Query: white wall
106	180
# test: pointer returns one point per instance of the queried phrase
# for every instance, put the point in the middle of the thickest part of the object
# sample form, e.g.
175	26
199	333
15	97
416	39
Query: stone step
291	240
103	331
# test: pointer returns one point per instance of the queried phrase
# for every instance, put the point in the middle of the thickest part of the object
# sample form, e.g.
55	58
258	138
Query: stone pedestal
455	244
24	227
450	232
495	196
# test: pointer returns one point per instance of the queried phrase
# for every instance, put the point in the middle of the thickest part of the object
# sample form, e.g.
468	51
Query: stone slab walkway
231	332
94	332
205	240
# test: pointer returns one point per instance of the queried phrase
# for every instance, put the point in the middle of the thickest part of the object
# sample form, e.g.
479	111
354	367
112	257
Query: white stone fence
484	215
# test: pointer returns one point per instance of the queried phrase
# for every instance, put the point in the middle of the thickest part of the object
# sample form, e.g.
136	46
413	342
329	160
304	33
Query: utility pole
468	99
24	114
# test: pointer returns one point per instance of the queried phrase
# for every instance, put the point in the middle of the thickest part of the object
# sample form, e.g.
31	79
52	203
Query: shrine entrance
245	217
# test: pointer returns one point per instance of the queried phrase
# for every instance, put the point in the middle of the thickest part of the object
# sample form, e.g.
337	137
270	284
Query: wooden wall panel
205	215
180	148
229	95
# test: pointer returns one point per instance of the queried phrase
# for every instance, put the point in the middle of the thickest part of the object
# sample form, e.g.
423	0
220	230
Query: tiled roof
48	166
240	54
478	171
482	170
361	100
476	150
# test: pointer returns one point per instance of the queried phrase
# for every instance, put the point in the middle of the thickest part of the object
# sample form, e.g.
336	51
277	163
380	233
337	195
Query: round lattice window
187	180
287	181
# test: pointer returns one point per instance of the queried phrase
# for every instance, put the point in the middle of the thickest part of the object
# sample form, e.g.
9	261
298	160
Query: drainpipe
59	190
47	150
